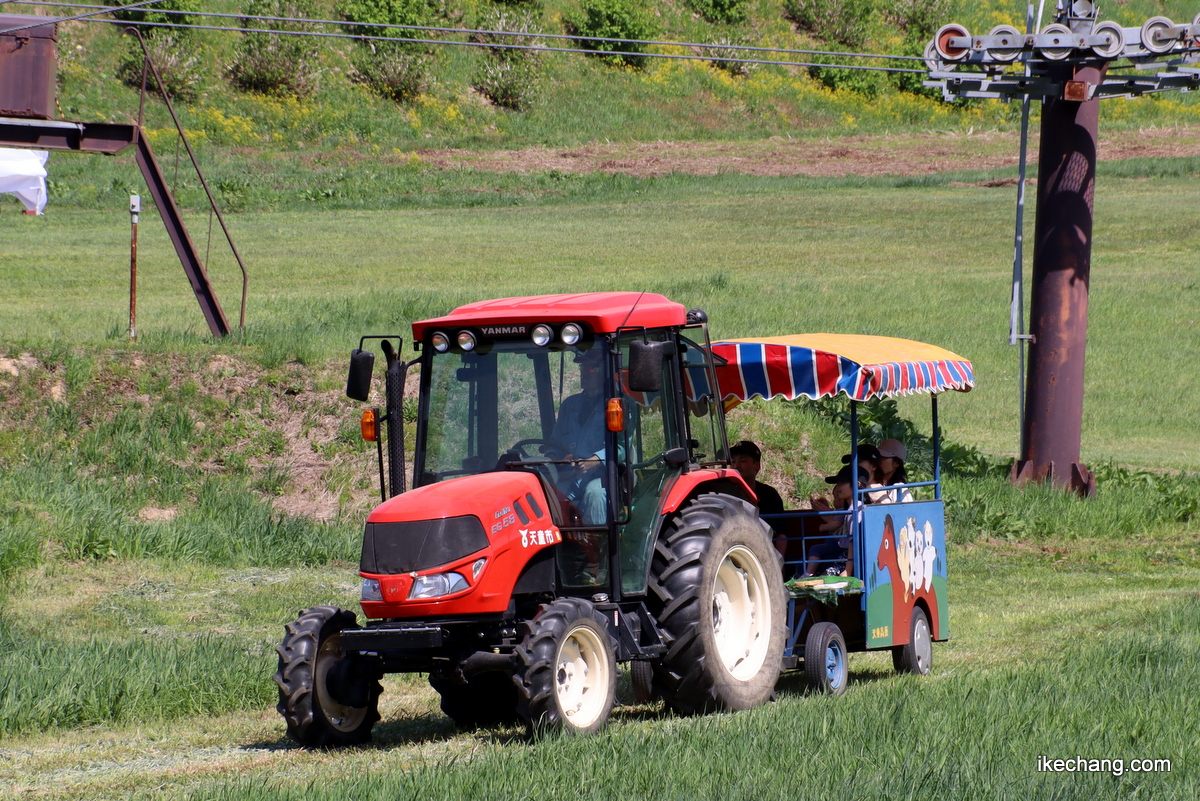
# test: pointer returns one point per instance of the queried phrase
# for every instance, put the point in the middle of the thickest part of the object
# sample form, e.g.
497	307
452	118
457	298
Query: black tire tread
295	679
534	673
816	643
677	574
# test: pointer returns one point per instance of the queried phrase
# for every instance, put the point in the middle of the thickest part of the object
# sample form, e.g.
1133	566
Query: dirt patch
153	514
779	156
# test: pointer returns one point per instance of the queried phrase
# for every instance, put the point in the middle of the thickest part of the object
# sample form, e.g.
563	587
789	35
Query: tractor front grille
420	544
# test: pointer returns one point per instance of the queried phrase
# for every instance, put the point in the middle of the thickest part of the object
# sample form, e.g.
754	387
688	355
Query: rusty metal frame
212	203
113	138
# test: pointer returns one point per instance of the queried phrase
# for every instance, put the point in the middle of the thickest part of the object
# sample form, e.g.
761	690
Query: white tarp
23	173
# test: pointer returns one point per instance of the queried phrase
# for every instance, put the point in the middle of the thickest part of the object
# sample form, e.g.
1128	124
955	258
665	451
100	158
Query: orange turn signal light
614	415
370	425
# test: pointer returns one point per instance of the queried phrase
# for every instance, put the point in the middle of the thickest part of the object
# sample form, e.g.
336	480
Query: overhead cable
504	46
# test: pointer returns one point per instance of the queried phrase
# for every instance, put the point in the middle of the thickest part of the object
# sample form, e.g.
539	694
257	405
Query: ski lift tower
1070	65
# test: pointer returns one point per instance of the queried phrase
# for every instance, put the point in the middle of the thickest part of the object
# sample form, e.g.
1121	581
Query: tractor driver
579	432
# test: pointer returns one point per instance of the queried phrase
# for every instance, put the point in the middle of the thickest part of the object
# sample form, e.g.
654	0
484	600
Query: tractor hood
484	528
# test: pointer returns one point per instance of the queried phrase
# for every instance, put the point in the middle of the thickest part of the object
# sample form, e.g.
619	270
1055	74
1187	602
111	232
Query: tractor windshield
514	402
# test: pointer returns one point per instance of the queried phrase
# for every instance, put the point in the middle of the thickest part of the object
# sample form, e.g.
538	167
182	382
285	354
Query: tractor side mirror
358	382
645	365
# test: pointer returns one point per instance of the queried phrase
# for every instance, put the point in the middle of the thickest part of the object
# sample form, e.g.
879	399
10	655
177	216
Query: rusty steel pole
135	209
1062	258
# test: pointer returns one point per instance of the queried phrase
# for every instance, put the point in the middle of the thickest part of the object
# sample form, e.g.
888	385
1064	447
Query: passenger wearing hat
892	454
868	459
746	458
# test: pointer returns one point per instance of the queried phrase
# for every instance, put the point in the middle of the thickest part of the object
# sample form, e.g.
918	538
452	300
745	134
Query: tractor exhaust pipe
394	387
358	387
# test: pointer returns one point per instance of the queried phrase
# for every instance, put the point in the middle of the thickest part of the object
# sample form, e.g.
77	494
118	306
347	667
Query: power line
472	31
106	10
503	46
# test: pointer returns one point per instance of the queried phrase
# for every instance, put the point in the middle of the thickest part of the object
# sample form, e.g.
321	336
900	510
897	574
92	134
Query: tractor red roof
604	312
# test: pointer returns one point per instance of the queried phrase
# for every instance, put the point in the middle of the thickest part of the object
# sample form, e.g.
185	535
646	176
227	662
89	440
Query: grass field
763	256
166	507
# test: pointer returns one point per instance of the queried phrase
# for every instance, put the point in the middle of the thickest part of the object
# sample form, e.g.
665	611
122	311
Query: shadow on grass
794	683
434	728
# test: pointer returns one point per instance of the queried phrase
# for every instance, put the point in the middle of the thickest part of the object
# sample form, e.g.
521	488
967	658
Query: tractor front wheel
717	591
566	672
326	697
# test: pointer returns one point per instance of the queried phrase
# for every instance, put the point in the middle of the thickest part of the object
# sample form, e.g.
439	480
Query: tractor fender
511	507
689	485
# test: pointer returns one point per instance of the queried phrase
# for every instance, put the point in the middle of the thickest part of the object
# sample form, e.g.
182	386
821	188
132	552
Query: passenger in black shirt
746	458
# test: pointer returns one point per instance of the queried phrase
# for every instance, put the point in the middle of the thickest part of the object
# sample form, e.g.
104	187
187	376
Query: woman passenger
892	454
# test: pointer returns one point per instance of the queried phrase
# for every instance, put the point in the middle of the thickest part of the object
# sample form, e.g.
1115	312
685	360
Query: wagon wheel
825	659
917	656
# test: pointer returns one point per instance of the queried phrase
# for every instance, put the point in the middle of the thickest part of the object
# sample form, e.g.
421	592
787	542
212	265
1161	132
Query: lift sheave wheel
1116	44
1061	47
1158	36
941	42
1011	44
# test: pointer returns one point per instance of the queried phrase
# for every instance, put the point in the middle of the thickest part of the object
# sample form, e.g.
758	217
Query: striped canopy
823	365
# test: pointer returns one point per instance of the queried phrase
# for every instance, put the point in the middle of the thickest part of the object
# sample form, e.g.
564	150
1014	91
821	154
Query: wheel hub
341	717
741	613
581	677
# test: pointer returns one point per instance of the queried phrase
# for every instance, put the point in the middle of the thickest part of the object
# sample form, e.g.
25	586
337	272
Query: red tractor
572	508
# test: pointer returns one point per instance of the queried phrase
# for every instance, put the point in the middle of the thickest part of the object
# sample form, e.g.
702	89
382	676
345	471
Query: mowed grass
763	256
1081	649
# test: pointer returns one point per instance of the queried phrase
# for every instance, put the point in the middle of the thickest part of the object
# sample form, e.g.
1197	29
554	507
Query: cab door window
701	397
651	429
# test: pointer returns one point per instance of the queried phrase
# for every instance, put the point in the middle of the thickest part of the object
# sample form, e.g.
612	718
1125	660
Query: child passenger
834	556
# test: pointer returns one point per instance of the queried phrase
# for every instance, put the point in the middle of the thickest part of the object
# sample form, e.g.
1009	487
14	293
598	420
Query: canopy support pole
937	453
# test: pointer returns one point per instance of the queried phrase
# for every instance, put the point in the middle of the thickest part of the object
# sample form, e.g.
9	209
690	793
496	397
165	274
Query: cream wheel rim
922	646
582	676
341	717
741	613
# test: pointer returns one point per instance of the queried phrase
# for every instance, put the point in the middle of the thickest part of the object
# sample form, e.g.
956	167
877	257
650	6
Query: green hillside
573	99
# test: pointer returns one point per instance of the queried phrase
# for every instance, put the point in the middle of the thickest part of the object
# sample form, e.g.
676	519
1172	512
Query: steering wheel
649	462
548	445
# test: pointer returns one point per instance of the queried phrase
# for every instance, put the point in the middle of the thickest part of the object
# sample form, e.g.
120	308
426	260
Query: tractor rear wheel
566	674
325	699
485	700
717	592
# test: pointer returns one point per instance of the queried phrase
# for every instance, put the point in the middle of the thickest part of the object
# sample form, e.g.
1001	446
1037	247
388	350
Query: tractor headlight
542	334
371	590
466	340
441	342
437	585
571	333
